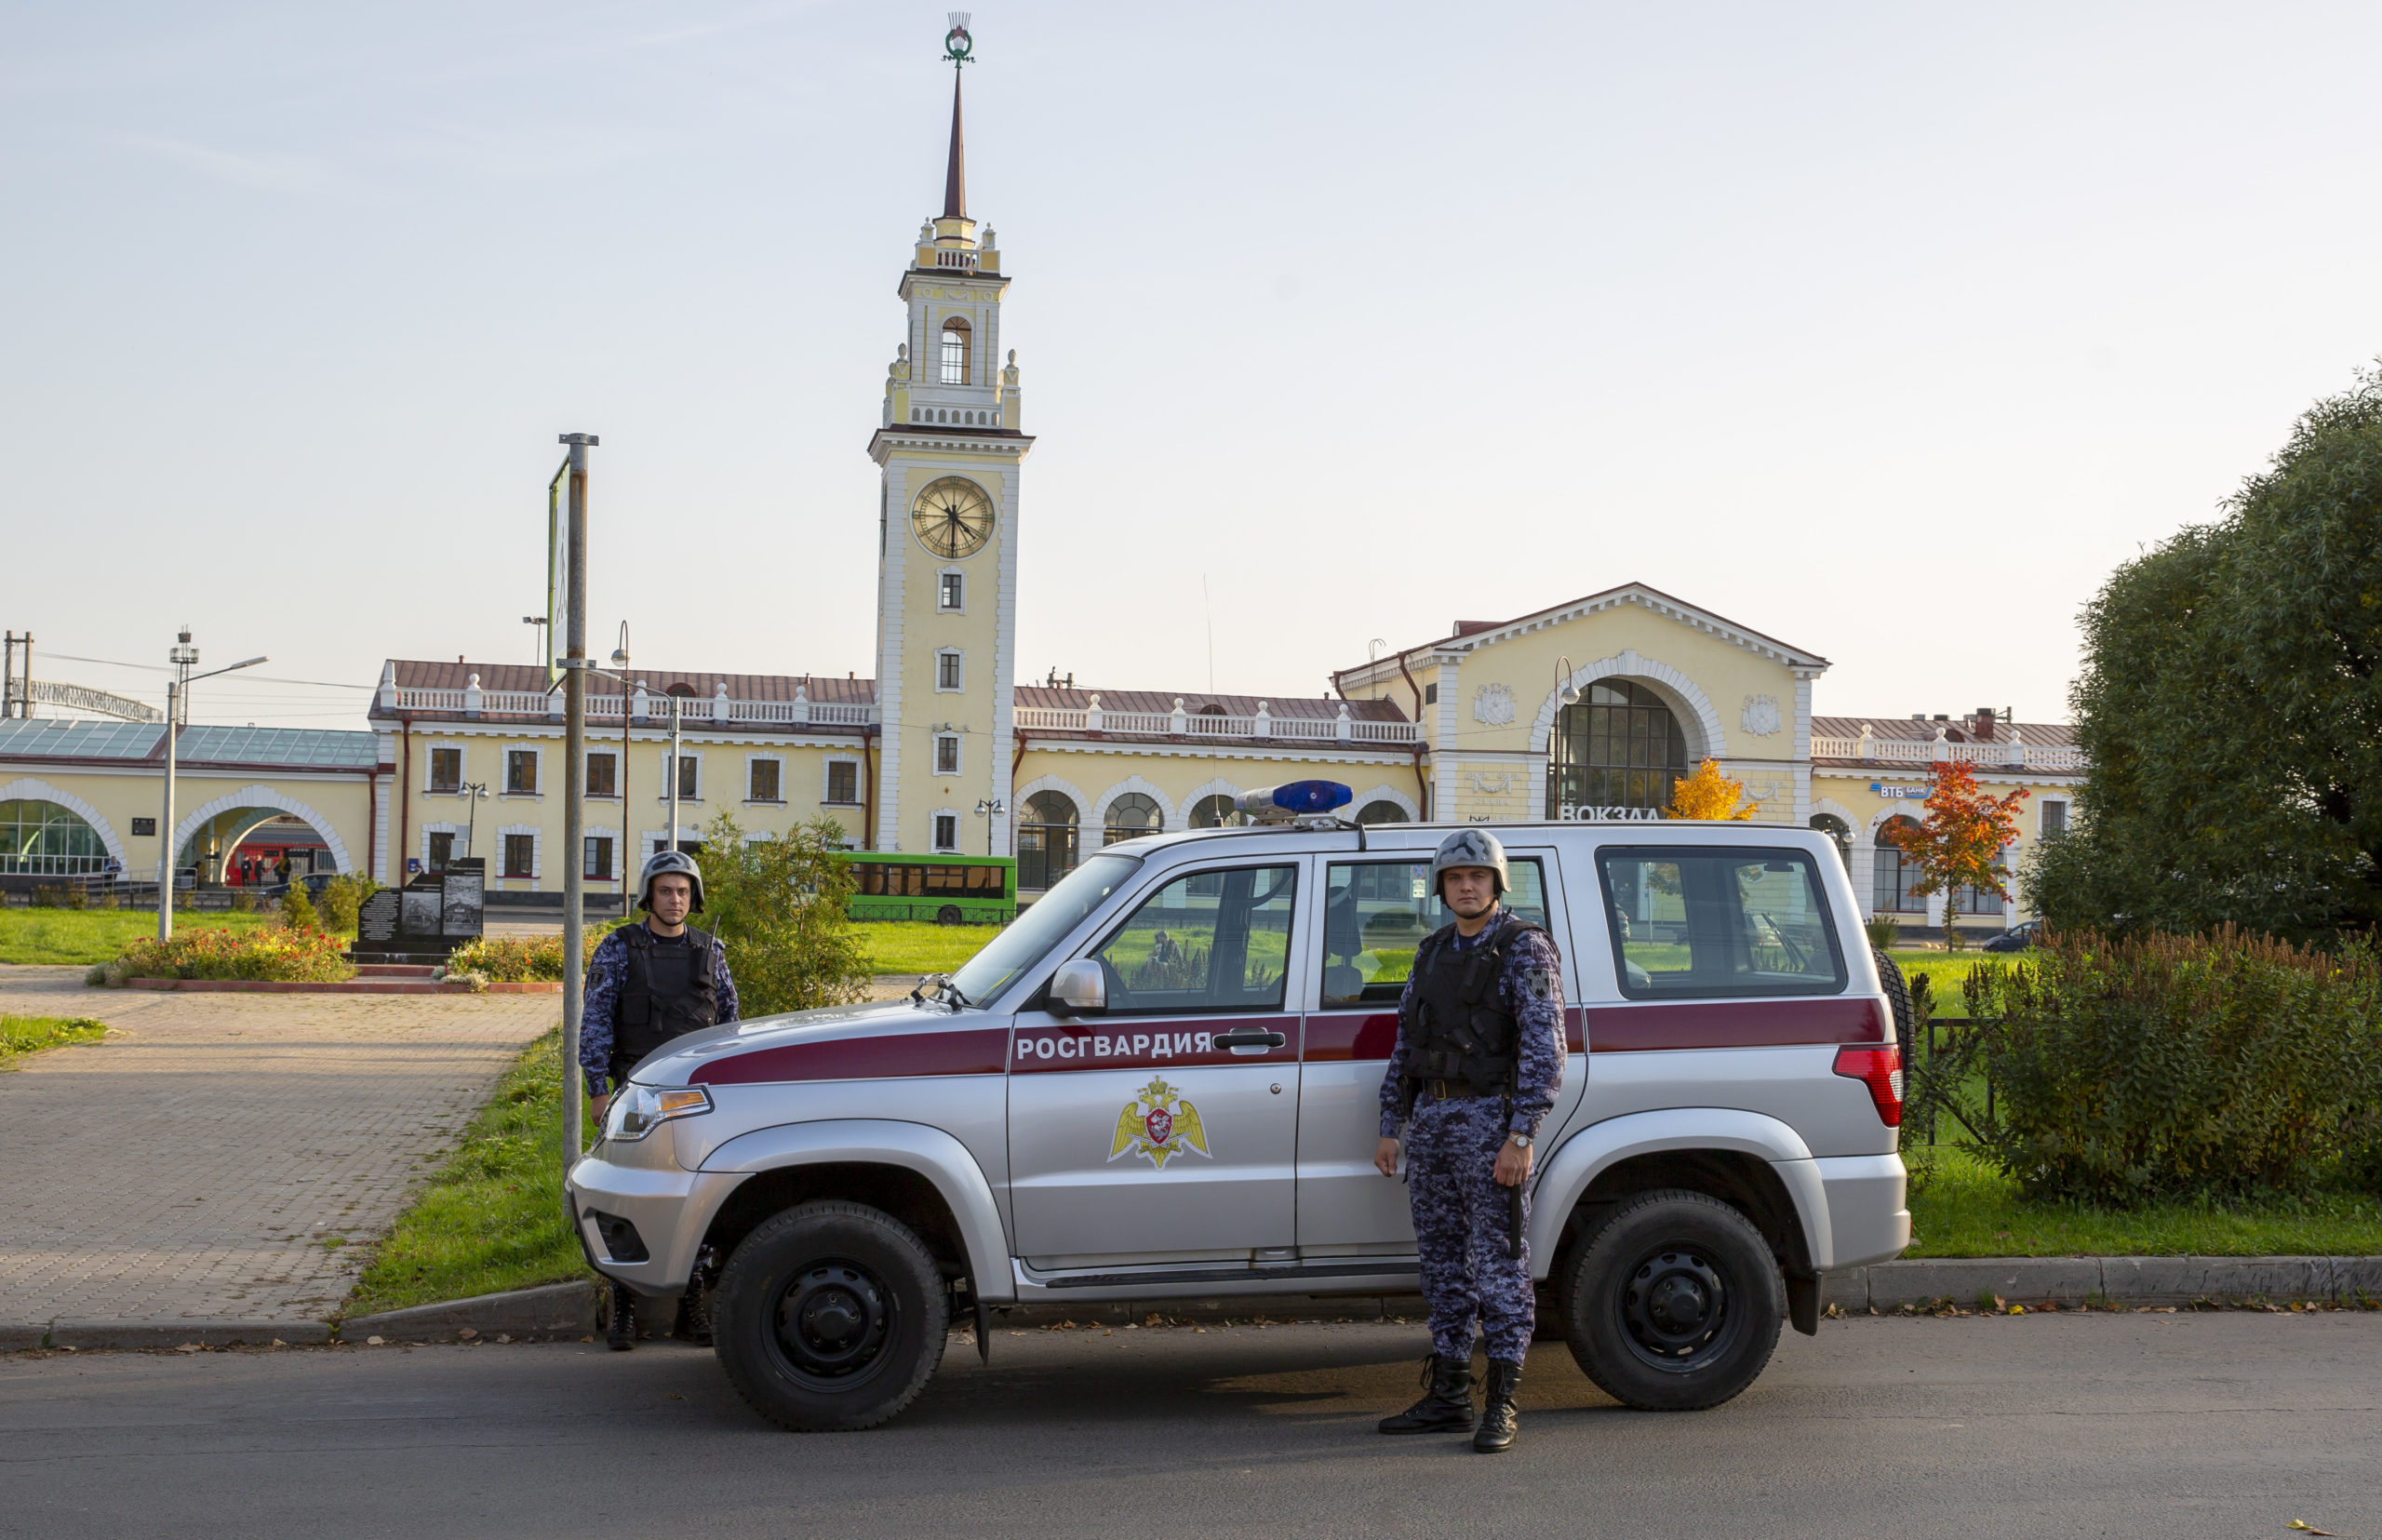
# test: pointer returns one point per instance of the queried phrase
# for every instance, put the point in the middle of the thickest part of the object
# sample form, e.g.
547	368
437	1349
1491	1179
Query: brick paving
194	1165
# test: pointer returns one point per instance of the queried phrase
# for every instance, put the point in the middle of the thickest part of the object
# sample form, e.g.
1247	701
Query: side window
1215	940
1377	912
1700	924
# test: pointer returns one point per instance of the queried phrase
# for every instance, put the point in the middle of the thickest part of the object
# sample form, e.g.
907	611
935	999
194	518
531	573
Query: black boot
1448	1407
1499	1421
620	1335
693	1325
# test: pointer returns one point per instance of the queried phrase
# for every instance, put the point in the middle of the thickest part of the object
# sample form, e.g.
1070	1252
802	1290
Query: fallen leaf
673	1395
502	1337
2304	1527
372	1342
467	1333
187	1348
2017	1309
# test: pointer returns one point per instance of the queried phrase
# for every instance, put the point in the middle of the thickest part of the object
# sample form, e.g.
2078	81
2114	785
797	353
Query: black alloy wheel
830	1315
1675	1304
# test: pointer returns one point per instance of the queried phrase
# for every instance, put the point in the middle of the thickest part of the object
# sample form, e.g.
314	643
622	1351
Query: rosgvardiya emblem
1157	1125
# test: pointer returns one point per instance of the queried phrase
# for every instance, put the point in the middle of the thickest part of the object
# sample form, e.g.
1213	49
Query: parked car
2018	938
1161	1082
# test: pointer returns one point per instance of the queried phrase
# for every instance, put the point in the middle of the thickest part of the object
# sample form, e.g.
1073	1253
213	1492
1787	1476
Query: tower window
946	754
955	338
955	591
946	831
946	671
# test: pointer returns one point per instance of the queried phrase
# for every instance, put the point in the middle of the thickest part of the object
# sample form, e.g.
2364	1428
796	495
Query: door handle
1249	1037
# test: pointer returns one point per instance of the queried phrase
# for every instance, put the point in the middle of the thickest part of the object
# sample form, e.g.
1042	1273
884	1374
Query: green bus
954	889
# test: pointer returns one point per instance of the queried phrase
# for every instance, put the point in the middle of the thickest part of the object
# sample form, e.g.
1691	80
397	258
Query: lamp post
541	622
1567	694
475	791
678	772
184	658
620	666
988	809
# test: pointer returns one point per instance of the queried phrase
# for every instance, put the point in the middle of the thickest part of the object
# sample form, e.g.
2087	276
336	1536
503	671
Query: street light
477	791
1567	694
988	809
185	657
541	622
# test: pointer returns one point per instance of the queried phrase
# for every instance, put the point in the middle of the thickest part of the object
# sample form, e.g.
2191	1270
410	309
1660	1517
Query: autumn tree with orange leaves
1710	795
1964	833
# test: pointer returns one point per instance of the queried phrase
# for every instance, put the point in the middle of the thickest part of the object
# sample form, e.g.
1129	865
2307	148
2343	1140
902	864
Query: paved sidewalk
195	1164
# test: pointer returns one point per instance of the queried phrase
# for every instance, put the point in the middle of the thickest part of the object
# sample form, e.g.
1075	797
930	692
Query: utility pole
675	769
12	701
621	668
185	657
574	781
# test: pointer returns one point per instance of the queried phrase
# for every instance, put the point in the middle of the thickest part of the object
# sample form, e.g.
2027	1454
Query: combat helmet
679	863
1471	848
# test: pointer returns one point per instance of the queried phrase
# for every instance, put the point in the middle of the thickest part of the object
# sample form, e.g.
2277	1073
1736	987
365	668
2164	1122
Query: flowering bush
274	953
519	959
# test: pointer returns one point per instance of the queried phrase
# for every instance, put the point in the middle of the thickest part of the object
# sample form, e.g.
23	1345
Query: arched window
956	337
1217	812
1381	809
1130	817
1620	748
1838	830
44	839
1891	893
1046	841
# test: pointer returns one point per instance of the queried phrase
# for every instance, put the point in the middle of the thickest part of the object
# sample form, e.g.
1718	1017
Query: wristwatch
1522	1141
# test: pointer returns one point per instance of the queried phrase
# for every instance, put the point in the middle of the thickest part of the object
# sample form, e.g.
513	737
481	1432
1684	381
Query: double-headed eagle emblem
1157	1125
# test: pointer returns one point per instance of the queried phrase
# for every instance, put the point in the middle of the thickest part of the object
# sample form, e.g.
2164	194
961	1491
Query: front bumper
669	1208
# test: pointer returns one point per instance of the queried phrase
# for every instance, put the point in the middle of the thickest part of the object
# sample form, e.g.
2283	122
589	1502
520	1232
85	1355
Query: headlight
638	1110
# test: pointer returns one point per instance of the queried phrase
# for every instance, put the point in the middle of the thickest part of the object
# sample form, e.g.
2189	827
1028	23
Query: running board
1247	1275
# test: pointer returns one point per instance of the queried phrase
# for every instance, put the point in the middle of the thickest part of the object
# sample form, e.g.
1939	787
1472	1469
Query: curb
343	986
177	1333
2115	1279
557	1309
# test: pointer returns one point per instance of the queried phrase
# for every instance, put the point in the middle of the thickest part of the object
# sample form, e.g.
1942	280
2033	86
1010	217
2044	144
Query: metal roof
74	737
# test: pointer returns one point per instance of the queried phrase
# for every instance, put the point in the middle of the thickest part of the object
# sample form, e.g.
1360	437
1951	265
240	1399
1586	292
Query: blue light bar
1293	799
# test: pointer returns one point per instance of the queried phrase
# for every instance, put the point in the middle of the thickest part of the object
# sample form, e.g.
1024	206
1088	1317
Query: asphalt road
2133	1425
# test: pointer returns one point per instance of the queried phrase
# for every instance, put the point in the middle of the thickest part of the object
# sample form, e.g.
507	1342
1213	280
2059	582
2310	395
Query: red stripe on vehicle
1349	1034
884	1055
1142	1043
1736	1024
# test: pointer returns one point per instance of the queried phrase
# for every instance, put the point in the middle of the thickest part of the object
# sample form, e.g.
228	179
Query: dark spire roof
955	179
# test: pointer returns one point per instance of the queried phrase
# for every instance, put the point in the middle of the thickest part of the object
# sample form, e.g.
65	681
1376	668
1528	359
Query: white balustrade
1925	751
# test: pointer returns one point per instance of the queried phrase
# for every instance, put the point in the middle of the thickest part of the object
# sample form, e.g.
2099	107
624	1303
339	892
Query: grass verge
492	1217
23	1035
920	946
85	936
1962	1206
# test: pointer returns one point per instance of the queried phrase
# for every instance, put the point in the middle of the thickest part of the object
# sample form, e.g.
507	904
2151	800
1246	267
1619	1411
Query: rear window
1701	923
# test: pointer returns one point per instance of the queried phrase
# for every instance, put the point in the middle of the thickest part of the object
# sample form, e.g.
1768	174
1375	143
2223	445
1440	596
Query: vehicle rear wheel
947	915
1676	1303
830	1315
1897	994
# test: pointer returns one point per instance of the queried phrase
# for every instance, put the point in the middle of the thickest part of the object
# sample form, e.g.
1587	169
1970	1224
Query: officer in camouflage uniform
1479	1057
646	983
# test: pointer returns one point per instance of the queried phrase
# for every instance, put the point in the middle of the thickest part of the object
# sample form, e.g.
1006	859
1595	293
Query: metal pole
574	807
675	773
165	823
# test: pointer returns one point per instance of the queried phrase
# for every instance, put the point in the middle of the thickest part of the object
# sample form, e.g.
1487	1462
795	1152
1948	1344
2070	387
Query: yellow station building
1593	706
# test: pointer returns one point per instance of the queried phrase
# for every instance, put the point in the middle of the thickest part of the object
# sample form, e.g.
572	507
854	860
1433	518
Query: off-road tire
1658	1252
1897	994
853	1262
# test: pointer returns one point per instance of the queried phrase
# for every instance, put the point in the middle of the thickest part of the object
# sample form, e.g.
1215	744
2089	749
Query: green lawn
1960	1206
23	1035
492	1216
86	936
918	945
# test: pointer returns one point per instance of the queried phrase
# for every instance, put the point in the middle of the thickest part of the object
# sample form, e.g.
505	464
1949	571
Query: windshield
1022	944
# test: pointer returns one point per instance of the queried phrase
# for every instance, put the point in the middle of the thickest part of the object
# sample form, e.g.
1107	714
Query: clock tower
948	453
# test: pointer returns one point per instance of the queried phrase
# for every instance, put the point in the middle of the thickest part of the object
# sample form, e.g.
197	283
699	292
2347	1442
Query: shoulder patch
1540	983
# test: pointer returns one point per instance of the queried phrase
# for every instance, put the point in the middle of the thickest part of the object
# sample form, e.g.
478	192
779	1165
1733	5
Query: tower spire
956	46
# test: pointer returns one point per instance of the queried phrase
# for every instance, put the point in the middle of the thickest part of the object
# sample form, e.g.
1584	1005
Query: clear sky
1884	329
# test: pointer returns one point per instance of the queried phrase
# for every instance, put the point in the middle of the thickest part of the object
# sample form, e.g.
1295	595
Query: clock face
953	517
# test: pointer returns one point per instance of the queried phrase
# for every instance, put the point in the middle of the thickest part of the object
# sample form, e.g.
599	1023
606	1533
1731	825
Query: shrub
2160	1066
278	953
298	910
521	959
343	896
1883	933
244	902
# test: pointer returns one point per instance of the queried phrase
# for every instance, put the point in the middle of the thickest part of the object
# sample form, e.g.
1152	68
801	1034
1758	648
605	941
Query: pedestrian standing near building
1479	1057
281	869
646	983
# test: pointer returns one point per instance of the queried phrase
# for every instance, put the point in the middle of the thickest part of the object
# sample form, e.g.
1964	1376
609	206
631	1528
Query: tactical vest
1461	1030
670	990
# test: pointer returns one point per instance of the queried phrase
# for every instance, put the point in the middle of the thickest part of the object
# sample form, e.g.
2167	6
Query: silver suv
1162	1082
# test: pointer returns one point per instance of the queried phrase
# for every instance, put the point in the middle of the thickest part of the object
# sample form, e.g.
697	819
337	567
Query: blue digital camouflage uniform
600	1007
1462	1218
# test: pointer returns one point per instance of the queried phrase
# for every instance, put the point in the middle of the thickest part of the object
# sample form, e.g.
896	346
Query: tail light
1881	1070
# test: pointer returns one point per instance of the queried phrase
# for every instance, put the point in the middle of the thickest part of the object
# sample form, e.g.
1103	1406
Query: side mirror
1079	987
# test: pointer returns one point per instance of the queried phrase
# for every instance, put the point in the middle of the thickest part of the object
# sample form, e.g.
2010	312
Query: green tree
778	902
2231	708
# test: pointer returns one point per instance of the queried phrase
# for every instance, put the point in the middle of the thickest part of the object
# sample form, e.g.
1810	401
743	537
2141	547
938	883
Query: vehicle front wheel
1676	1303
830	1315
